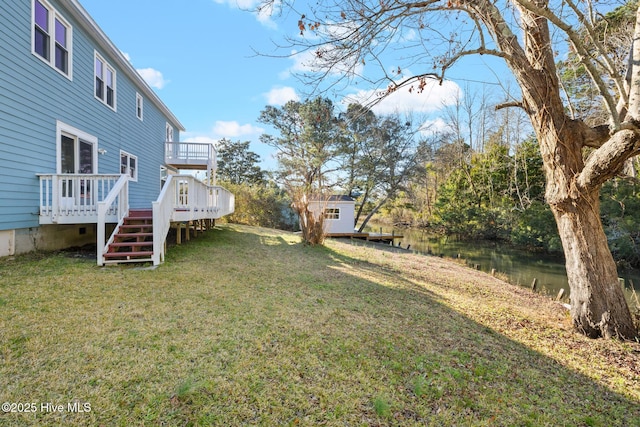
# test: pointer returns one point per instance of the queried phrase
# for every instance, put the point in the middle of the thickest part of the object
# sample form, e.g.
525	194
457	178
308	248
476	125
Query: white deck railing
104	199
74	198
190	154
185	198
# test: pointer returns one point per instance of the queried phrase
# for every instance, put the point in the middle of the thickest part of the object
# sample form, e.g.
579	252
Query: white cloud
153	77
432	127
308	62
432	98
281	95
234	129
201	139
239	4
222	129
262	14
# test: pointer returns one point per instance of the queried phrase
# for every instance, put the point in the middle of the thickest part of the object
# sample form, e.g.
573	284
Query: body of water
520	266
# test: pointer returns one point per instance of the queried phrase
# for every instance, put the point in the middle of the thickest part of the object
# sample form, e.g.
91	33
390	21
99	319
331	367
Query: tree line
360	42
478	181
321	152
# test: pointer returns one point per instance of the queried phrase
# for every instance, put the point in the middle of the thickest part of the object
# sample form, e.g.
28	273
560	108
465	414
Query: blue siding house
88	152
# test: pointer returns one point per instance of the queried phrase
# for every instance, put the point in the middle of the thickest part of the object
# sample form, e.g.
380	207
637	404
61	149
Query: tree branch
634	93
582	52
511	104
608	160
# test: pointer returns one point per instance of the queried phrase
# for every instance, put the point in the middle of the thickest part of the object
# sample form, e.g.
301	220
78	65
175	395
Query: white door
76	157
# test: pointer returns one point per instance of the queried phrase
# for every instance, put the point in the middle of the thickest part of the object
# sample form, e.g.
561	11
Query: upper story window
105	82
169	129
129	165
51	37
139	106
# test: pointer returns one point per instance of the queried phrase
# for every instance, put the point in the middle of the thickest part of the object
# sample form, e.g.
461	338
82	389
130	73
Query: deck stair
133	241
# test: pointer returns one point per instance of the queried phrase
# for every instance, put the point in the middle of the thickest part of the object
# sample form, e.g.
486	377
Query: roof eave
82	16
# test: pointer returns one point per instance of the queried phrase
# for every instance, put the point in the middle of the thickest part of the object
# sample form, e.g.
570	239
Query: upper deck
190	155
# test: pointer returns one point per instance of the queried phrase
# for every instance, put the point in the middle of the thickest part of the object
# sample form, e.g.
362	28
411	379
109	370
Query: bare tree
351	35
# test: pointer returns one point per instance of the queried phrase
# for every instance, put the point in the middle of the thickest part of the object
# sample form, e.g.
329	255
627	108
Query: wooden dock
371	237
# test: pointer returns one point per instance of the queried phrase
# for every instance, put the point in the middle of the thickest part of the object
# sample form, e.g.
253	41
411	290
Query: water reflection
520	266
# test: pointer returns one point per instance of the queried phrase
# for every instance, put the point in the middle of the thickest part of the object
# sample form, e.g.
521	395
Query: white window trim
335	211
105	64
63	128
139	103
53	15
128	172
169	132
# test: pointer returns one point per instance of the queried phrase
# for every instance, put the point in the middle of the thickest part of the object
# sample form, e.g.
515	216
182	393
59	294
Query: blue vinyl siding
33	96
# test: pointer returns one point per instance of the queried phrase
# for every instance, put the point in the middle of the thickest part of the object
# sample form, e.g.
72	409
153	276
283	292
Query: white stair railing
185	198
162	210
116	201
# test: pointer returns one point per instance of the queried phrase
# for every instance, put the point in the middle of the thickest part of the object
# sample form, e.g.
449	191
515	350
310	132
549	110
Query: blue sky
200	58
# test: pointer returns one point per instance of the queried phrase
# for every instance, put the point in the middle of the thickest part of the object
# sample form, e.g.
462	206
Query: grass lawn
247	326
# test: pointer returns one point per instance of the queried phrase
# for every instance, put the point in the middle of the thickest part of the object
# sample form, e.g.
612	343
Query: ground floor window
129	165
332	213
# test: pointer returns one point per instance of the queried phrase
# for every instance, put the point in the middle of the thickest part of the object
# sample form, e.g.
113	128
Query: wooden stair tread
124	244
134	234
123	261
133	241
140	212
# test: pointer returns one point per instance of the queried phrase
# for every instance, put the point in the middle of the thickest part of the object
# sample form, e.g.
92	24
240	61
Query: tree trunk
598	305
311	223
373	211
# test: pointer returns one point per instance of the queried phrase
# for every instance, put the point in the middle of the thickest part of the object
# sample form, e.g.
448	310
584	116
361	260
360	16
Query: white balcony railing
74	198
190	155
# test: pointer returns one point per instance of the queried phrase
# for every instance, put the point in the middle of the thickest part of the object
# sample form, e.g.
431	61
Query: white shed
339	214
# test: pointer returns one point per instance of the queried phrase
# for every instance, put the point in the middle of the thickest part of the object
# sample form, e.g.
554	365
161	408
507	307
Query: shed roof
336	198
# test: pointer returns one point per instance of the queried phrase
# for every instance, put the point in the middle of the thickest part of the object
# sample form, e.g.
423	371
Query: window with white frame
164	175
51	37
169	129
332	213
105	81
129	165
139	106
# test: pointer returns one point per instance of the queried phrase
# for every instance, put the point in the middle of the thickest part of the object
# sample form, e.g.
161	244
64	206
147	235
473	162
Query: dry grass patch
247	326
